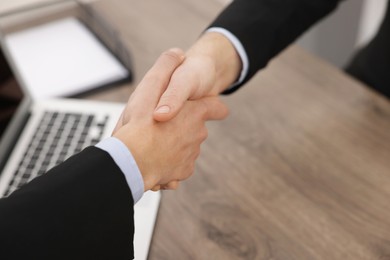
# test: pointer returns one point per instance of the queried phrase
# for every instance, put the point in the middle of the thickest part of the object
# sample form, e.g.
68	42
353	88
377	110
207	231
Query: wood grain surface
299	170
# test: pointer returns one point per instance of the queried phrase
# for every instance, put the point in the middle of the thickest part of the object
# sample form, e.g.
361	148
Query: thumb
193	79
149	90
177	93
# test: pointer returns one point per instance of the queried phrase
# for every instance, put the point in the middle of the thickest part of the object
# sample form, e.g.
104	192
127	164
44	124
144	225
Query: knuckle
172	185
204	109
172	56
197	153
190	169
204	134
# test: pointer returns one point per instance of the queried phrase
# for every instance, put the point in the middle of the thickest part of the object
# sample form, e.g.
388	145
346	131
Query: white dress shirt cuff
240	50
125	161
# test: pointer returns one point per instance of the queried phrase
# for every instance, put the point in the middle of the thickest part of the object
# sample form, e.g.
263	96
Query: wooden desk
300	169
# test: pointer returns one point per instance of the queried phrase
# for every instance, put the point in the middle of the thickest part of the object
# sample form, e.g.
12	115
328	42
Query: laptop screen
10	94
14	107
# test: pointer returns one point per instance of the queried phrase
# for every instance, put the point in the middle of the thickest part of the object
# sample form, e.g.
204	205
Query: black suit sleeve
81	209
266	27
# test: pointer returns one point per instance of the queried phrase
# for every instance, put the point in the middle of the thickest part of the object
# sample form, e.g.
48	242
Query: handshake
163	123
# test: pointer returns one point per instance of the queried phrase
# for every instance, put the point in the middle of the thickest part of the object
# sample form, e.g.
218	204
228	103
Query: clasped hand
165	152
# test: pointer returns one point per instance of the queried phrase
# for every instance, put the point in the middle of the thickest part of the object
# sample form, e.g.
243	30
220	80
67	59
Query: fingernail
163	110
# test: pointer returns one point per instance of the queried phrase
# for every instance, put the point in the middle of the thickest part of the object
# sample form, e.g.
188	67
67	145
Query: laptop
37	134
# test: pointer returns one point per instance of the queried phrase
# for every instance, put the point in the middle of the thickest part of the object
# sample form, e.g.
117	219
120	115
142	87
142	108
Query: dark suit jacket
265	27
81	209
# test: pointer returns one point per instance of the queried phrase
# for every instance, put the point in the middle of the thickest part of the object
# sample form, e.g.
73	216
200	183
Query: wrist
220	51
126	135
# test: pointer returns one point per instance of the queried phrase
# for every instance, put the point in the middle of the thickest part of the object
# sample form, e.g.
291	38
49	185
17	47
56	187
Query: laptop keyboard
58	136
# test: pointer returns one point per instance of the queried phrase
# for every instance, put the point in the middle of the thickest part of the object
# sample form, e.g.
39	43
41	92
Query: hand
152	86
165	152
210	66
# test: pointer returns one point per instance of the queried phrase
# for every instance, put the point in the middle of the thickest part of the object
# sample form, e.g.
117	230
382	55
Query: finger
154	83
156	188
178	91
172	185
213	107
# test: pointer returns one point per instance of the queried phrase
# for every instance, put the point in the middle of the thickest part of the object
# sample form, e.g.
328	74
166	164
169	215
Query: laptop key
58	136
